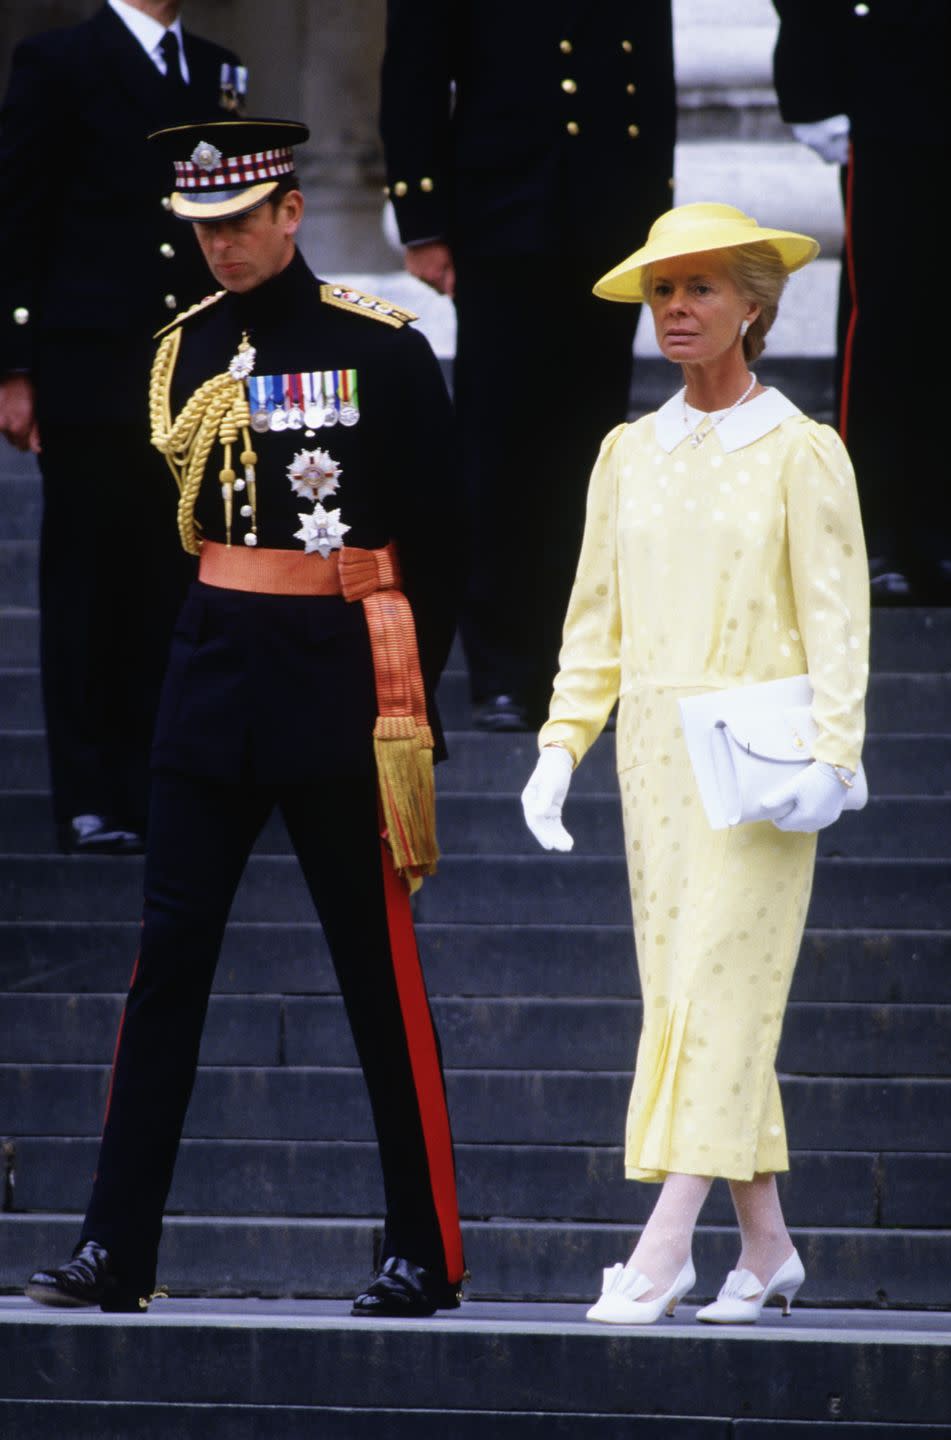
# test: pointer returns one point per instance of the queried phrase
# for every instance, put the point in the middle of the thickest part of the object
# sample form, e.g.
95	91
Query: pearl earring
744	326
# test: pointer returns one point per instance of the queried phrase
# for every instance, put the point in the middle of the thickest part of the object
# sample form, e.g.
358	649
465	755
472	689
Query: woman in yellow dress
723	546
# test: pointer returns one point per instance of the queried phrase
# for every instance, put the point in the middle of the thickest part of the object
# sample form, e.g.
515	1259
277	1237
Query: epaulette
361	303
187	314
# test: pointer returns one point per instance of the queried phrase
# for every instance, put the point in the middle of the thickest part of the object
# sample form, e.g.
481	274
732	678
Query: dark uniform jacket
281	687
885	64
84	234
529	126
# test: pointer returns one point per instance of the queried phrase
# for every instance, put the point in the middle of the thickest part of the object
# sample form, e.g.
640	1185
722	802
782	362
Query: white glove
544	795
813	800
829	138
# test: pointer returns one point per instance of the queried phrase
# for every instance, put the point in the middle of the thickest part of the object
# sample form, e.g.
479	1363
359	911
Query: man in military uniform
309	432
865	85
527	148
77	312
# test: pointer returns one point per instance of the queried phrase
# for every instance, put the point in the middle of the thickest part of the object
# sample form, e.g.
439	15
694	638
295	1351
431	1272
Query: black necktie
173	66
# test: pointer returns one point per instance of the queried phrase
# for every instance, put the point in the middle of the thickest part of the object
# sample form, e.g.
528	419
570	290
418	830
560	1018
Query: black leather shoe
500	713
87	1279
402	1288
98	835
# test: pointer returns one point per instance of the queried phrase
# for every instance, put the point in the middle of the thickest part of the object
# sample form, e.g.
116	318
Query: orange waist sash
402	739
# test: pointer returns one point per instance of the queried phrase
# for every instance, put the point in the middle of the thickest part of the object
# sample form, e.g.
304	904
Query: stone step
511	1260
914	827
539	1182
480	890
478	1033
876	967
19	561
892	700
488	1106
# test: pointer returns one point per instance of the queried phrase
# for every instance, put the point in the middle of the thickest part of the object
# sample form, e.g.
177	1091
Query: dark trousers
542	372
892	362
112	579
200	836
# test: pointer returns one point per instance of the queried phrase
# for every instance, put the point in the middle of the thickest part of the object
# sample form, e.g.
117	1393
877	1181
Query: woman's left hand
813	800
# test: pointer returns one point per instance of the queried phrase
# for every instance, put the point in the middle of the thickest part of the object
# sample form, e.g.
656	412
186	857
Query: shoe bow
630	1284
740	1285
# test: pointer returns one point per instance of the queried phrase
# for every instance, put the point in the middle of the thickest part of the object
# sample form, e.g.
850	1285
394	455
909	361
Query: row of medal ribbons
312	401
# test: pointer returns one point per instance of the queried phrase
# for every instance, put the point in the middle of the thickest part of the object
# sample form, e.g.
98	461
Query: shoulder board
363	304
187	314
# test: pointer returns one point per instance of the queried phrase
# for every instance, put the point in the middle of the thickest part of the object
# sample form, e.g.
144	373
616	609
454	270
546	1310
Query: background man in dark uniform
77	313
308	429
527	146
867	84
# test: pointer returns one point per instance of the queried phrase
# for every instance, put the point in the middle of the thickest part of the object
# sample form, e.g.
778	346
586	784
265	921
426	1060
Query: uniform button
400	189
565	47
171	303
21	315
861	9
633	131
166	202
626	46
426	185
386	191
573	127
631	88
167	251
569	86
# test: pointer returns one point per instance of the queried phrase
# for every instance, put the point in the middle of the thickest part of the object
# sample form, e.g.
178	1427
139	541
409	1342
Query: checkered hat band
234	170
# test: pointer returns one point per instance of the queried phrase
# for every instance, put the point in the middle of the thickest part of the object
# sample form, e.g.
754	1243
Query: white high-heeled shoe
620	1304
743	1295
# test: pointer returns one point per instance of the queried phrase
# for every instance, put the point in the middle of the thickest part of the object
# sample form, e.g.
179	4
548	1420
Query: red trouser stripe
115	1053
854	297
424	1060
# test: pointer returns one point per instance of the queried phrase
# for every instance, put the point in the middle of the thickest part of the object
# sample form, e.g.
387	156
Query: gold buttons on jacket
633	131
573	127
426	185
861	9
167	251
170	302
631	88
400	189
565	46
166	202
21	315
569	86
626	46
386	191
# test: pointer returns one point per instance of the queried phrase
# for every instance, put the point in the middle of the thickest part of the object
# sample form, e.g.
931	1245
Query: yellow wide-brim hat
695	229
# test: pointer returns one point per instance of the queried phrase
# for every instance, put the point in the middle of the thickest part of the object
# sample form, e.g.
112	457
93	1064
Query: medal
313	405
278	418
330	398
294	390
349	409
257	399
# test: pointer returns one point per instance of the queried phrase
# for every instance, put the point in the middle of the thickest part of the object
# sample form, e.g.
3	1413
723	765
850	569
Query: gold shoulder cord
218	408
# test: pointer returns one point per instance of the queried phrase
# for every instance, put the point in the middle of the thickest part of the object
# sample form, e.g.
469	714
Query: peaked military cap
224	168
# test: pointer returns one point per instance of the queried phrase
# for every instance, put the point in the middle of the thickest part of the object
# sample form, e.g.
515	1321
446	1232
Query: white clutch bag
744	743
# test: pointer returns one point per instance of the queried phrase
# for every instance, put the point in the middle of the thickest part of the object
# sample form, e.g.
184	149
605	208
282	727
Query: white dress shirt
150	33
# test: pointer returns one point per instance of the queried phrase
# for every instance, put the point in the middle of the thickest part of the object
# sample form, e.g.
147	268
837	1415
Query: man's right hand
433	263
18	413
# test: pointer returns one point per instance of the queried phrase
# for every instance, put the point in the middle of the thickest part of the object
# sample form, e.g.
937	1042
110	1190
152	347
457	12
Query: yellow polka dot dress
737	560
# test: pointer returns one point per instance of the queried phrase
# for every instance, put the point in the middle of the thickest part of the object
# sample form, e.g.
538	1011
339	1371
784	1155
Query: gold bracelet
848	779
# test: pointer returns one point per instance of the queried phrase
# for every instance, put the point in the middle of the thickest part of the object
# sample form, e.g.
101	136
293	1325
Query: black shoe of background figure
88	1279
401	1288
887	584
98	835
500	713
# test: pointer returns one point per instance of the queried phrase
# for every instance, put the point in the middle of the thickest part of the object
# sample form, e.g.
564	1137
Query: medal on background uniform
258	403
278	418
294	391
232	87
347	389
313	402
330	398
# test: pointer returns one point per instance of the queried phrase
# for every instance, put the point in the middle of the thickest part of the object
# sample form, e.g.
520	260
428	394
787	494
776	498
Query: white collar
748	422
149	32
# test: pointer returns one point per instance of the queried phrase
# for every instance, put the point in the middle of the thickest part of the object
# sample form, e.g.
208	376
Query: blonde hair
758	272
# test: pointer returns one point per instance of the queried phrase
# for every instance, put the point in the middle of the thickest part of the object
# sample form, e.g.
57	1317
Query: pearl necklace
698	436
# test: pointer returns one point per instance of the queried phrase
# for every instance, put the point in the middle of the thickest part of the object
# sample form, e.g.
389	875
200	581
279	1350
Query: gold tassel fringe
404	764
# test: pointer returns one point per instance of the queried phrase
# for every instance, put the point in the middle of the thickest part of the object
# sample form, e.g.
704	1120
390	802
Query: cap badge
206	156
